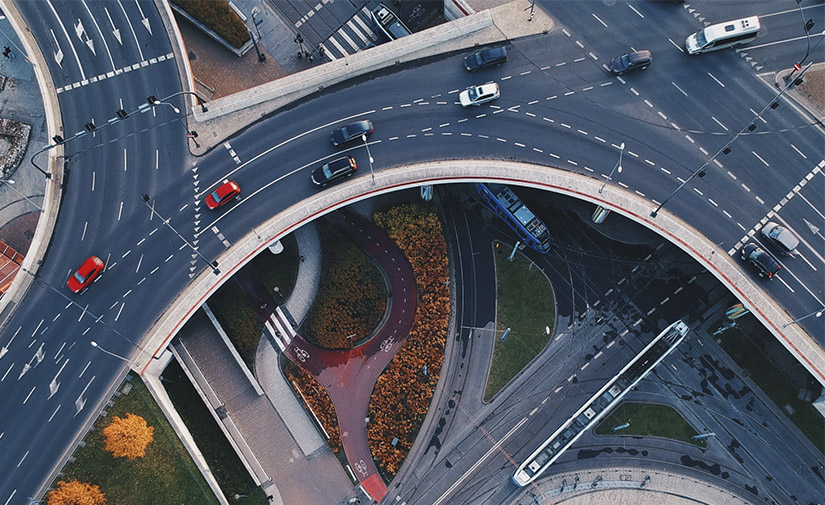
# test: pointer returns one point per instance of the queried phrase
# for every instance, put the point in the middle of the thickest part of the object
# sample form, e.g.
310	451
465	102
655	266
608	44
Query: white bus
723	35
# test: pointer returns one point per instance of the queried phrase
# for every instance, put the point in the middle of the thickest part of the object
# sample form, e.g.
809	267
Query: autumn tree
128	436
75	493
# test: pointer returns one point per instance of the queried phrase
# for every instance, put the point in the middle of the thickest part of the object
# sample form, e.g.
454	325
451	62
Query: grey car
781	237
761	259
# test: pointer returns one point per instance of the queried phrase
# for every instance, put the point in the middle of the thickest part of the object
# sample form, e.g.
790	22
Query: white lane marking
66	34
798	151
634	10
599	20
760	158
715	79
677	46
680	89
719	123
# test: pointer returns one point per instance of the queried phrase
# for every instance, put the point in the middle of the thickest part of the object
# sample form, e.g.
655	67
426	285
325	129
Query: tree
128	436
75	493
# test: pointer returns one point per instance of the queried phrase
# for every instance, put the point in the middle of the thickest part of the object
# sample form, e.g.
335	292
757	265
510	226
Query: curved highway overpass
561	116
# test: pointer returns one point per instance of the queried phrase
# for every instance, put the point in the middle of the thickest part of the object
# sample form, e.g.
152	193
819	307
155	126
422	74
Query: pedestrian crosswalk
355	35
280	328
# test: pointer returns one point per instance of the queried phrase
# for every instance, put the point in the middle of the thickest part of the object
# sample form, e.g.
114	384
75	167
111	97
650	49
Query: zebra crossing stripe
351	43
337	46
275	336
352	26
364	27
282	316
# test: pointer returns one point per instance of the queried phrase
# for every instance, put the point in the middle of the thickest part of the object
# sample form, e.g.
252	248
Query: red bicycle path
349	375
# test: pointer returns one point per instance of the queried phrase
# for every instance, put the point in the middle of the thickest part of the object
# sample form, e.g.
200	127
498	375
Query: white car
477	95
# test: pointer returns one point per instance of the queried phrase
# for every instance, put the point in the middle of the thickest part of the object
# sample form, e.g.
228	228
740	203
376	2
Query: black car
485	58
761	259
351	131
637	60
334	170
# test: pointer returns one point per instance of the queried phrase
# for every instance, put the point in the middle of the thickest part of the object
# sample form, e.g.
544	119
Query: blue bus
530	229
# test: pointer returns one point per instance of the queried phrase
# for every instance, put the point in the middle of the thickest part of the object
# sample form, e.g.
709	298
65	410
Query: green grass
227	468
748	351
165	476
238	319
526	305
650	420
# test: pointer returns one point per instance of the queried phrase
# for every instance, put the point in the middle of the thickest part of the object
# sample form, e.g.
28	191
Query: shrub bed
219	17
403	391
240	321
314	396
352	296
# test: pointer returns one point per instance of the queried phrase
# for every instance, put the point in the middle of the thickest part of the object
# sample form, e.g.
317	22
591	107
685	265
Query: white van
723	35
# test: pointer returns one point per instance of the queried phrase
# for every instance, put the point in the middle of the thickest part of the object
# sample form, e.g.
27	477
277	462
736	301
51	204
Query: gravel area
813	89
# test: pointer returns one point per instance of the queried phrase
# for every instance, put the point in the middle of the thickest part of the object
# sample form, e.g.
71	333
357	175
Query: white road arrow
143	19
58	55
54	385
81	402
115	31
81	32
814	229
3	351
39	355
26	368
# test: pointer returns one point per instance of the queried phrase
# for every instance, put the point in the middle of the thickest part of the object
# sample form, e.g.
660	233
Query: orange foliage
403	393
127	437
75	493
315	395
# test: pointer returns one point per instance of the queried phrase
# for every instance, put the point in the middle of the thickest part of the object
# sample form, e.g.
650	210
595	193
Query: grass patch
352	296
238	319
526	305
650	420
227	468
748	348
166	475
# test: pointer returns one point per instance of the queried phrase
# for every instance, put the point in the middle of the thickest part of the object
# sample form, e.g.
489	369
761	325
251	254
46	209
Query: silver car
477	95
780	236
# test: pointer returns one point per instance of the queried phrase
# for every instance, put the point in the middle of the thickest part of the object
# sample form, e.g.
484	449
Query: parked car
84	275
485	58
781	237
477	95
761	259
637	60
223	194
334	170
351	131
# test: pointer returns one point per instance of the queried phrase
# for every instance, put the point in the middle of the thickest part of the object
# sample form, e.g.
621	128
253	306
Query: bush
219	17
352	296
403	392
240	321
315	397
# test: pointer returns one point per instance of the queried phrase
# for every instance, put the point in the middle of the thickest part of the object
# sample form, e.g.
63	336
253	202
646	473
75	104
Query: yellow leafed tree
75	493
127	437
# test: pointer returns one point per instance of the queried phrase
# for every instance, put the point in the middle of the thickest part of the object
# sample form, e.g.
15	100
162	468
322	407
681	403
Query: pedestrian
302	258
270	498
7	52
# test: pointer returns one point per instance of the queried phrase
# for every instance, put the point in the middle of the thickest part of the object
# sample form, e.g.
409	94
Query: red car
223	194
84	276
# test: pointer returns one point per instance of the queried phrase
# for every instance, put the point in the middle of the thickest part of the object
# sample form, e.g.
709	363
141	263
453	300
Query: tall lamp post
9	183
618	168
110	353
189	134
212	264
818	313
372	173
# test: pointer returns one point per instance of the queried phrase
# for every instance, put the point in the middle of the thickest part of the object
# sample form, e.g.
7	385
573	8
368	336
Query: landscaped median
525	316
649	420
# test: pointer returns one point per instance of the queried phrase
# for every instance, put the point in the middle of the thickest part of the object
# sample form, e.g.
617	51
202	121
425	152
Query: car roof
639	55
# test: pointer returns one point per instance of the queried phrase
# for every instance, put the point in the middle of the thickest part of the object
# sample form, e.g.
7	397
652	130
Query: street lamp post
110	353
372	173
189	134
212	264
818	313
9	183
618	168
